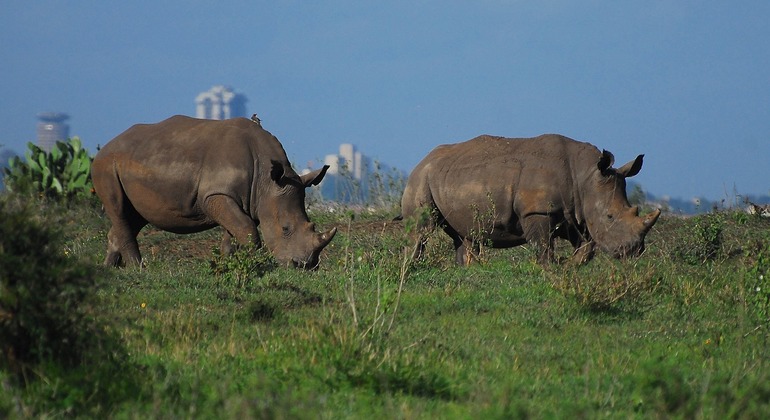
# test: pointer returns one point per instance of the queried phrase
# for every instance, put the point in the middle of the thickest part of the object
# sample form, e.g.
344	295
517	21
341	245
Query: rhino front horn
650	220
326	237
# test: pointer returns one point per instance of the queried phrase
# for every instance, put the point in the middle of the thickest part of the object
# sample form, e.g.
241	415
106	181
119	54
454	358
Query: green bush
704	240
243	265
43	294
56	353
65	171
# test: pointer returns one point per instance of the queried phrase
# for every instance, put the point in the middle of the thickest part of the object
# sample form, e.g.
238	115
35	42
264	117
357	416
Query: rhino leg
538	229
226	212
466	251
226	248
425	219
122	246
583	253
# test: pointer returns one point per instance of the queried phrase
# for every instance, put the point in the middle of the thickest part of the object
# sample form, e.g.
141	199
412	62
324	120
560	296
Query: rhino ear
606	161
631	168
277	171
315	177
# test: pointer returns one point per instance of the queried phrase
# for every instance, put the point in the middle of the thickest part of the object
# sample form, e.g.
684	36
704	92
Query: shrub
245	263
65	171
43	311
704	240
49	329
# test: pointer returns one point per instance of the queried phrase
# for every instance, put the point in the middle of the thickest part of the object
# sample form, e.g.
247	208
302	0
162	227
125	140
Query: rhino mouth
310	264
629	251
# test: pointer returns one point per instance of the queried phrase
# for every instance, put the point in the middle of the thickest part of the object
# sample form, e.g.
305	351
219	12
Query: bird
256	119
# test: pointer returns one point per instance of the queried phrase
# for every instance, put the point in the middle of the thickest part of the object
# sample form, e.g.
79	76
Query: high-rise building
51	128
220	103
349	161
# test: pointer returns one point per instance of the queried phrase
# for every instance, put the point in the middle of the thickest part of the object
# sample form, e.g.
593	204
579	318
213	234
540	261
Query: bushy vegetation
53	340
65	171
680	332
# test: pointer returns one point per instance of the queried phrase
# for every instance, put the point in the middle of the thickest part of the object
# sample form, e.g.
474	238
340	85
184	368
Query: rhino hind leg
424	220
122	247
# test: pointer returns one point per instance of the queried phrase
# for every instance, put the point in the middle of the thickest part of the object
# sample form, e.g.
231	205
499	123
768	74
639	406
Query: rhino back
167	169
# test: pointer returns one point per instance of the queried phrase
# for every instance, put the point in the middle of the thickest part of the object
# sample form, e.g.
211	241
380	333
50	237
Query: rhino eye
610	217
286	231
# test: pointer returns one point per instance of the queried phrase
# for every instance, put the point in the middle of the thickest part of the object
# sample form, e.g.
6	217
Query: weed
607	286
244	264
704	241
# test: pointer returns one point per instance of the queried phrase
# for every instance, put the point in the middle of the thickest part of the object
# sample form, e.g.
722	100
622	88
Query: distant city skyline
348	160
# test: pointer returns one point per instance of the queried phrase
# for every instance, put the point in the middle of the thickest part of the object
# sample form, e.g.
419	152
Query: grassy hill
681	331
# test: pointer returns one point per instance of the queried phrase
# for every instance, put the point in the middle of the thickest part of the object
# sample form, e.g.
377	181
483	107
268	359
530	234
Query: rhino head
612	222
286	229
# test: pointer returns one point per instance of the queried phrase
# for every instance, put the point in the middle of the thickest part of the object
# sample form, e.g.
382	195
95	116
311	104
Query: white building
220	103
349	161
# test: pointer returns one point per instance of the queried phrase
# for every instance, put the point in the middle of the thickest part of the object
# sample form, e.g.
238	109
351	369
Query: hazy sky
687	83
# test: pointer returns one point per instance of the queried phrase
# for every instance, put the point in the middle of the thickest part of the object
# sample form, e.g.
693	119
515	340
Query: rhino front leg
584	252
539	232
226	212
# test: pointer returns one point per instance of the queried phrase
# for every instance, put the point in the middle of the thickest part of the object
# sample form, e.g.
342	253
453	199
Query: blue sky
687	83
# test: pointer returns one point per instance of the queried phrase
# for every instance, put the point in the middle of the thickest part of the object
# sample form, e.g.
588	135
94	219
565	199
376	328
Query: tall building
51	128
220	103
349	161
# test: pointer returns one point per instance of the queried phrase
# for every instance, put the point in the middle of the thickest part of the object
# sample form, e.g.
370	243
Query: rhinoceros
506	192
186	175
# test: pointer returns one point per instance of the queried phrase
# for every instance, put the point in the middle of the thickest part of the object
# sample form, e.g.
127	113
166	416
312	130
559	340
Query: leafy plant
704	241
245	263
65	171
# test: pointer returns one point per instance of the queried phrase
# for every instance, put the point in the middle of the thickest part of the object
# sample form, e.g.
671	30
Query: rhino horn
650	220
326	237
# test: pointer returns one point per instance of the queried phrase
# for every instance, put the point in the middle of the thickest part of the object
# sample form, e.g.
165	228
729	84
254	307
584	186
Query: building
349	162
220	103
51	128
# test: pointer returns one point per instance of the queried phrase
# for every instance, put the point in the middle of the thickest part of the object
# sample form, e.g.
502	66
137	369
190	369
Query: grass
674	333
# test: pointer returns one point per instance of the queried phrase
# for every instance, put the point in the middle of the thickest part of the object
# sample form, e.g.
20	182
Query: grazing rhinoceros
506	192
186	175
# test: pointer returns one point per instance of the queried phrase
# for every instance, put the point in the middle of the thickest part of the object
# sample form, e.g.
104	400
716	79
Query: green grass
680	332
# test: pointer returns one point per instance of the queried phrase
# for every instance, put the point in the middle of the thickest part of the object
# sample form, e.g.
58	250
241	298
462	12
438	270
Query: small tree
65	171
